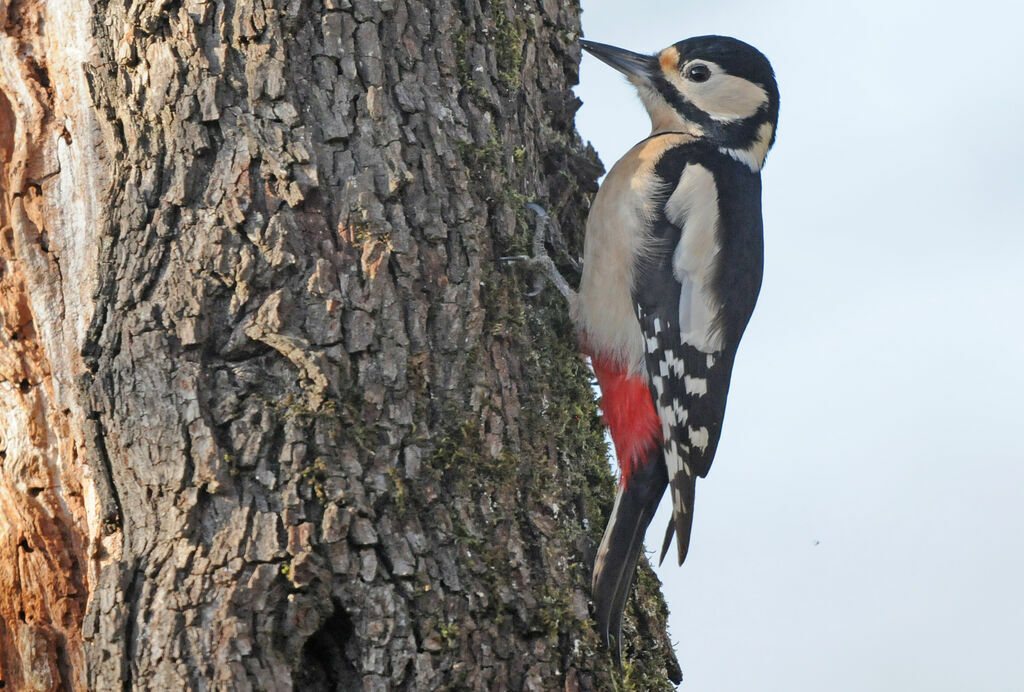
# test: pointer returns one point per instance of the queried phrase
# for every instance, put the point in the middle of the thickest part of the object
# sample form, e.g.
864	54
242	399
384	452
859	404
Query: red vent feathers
629	414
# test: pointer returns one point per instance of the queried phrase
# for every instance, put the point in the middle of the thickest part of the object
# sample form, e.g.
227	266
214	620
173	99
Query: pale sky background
876	403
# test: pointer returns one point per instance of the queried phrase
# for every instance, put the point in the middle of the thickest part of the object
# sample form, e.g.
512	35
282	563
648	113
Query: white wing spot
657	325
686	468
663	368
711	361
699	438
665	414
652	344
672	458
697	386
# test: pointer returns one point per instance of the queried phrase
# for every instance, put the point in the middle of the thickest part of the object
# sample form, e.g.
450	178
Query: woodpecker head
716	87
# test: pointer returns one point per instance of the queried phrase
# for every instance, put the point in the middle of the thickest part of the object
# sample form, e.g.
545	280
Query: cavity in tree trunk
272	415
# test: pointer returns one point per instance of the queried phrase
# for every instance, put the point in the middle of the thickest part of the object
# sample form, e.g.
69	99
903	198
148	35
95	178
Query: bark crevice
325	664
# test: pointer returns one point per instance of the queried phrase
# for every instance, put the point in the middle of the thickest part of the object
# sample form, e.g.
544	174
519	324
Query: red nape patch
629	413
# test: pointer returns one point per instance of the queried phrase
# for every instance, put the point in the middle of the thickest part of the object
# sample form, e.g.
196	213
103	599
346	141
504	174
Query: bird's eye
698	73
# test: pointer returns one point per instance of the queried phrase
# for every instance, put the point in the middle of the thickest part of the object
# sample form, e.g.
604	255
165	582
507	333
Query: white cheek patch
693	207
724	97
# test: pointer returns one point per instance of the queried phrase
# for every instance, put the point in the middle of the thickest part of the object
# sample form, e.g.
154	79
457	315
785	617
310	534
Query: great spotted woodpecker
672	267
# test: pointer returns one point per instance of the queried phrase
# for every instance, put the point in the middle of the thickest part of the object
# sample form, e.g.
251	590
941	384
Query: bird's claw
540	259
533	262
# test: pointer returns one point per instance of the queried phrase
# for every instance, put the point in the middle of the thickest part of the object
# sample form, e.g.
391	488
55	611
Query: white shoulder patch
693	207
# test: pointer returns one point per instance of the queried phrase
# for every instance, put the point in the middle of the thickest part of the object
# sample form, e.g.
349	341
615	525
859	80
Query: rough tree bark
271	414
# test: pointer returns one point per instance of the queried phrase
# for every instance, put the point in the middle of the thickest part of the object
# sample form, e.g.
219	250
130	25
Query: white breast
616	230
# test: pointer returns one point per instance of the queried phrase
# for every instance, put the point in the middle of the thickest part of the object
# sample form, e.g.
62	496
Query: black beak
625	61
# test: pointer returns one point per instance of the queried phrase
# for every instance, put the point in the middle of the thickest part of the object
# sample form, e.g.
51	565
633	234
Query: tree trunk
271	414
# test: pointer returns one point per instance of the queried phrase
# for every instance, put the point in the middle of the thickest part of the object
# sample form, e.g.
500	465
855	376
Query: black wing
689	351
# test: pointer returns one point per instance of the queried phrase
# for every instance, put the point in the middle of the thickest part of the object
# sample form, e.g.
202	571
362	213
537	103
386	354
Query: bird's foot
541	260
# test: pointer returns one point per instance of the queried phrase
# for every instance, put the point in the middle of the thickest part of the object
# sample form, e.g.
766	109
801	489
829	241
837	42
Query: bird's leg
541	260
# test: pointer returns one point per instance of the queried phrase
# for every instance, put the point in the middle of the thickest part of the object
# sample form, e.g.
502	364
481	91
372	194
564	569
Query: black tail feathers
683	489
621	546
